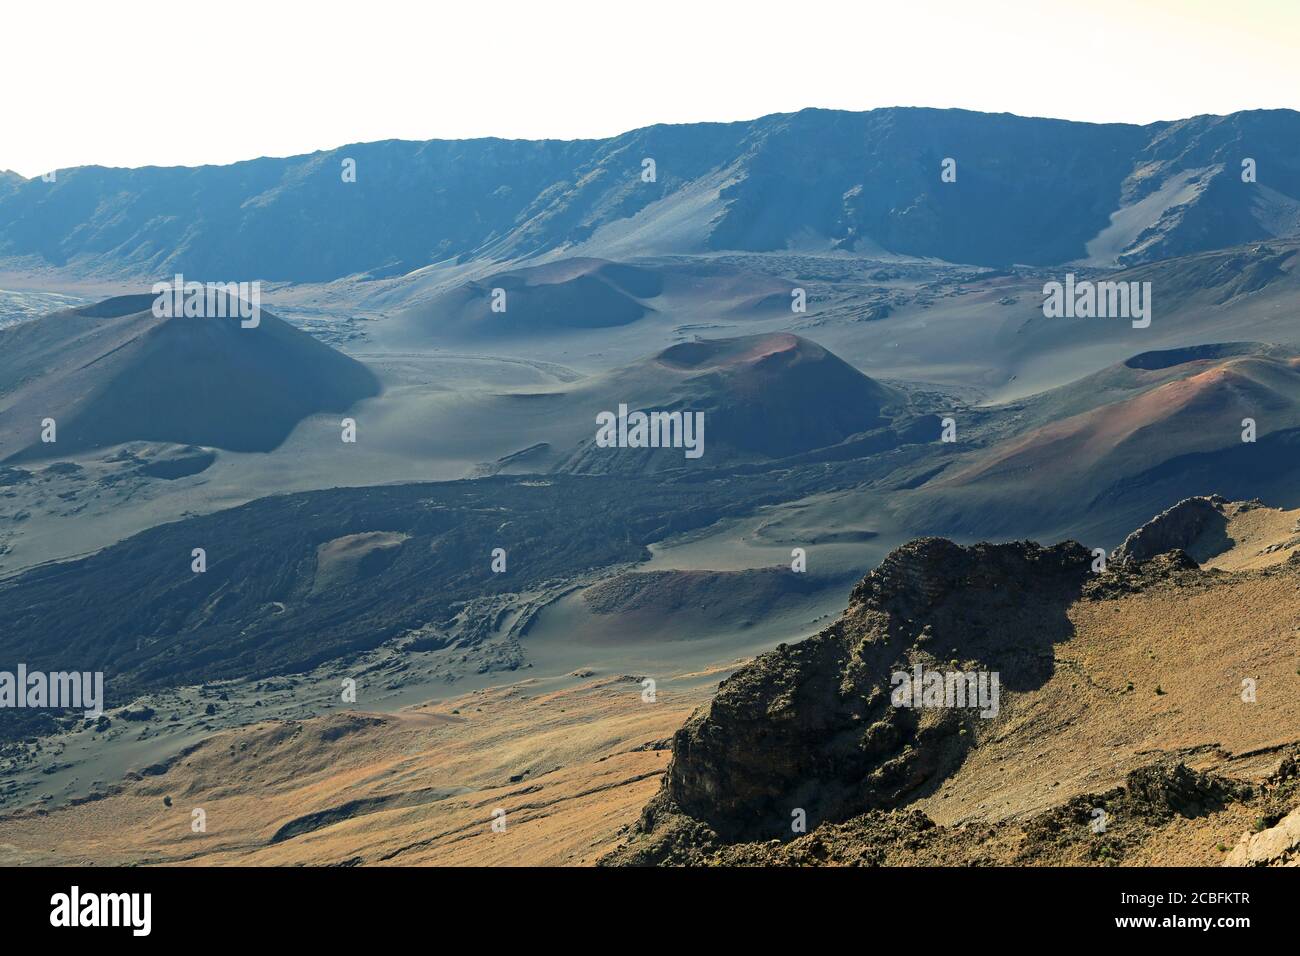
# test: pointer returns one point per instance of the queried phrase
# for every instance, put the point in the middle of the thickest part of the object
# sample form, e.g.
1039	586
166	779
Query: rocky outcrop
1118	825
1166	790
1177	528
810	728
812	732
1278	845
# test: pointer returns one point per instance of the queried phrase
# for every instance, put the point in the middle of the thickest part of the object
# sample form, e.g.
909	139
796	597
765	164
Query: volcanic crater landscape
429	593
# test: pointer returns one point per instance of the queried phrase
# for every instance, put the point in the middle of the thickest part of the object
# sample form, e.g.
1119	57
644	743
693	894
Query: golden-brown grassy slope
1196	643
1161	670
1257	537
416	787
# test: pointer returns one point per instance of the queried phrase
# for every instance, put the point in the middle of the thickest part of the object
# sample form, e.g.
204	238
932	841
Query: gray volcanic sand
444	412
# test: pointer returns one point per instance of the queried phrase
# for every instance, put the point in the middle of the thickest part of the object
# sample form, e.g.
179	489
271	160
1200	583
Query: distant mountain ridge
1027	190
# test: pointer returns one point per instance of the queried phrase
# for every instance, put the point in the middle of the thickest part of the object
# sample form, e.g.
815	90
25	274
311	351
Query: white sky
181	83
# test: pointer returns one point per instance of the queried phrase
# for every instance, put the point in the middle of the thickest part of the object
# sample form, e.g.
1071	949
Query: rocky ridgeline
1175	529
811	726
1152	799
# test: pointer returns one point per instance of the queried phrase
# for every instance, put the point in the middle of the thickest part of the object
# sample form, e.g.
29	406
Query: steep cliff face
811	727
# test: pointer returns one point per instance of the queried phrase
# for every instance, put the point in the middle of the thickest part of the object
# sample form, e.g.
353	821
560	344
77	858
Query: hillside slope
113	372
761	396
1125	690
1126	700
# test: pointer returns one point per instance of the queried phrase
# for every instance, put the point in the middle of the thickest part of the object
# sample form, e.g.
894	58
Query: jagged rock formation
810	726
1119	825
1173	529
1277	846
1272	846
1170	790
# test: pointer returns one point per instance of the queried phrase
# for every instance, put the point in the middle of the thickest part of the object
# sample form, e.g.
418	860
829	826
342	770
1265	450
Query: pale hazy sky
183	83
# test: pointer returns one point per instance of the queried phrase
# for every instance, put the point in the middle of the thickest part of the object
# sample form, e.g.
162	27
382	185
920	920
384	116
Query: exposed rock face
1276	845
1176	566
1152	799
1176	528
1169	790
813	731
811	726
